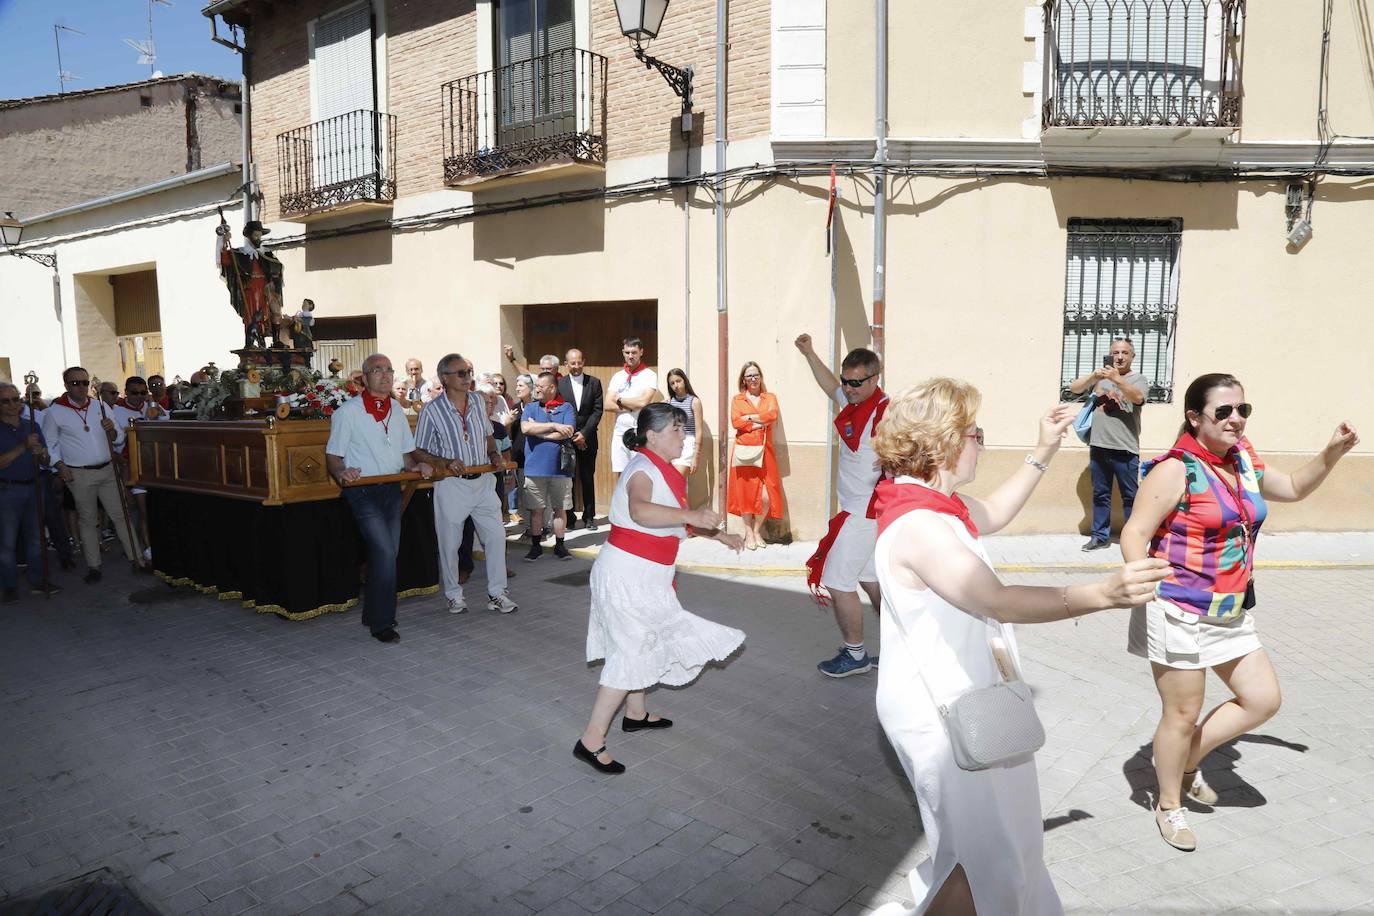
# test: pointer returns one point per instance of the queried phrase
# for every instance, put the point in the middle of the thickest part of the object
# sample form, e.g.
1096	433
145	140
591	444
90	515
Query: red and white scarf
651	547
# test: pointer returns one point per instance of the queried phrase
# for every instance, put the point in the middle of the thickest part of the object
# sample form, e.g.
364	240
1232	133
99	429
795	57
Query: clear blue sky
28	57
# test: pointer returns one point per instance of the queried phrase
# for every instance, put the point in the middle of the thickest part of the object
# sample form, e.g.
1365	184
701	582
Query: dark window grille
337	161
546	109
1143	63
1121	280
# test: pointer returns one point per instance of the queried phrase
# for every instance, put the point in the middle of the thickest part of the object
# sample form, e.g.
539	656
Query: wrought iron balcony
538	112
338	162
1143	63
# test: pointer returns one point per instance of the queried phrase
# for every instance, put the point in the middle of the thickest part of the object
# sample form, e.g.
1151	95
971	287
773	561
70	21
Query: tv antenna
63	76
147	50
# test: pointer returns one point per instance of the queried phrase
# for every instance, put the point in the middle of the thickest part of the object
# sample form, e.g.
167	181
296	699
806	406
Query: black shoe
544	535
634	725
589	524
387	635
1095	544
535	553
560	550
11	596
92	576
48	589
581	753
66	563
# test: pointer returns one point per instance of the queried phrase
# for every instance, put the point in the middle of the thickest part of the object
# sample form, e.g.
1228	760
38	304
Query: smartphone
1106	362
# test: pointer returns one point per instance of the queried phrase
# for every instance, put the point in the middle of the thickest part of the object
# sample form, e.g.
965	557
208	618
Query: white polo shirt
68	441
123	415
363	443
630	386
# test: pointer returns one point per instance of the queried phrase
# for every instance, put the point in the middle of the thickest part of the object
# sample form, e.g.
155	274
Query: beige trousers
91	489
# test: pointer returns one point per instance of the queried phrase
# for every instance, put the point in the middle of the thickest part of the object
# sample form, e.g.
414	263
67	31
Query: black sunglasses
857	382
1224	411
80	383
461	373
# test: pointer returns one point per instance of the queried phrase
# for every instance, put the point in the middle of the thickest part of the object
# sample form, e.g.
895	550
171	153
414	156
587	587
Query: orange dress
747	484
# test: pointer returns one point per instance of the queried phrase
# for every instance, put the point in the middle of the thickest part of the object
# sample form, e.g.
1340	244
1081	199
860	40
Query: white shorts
1164	634
689	451
850	560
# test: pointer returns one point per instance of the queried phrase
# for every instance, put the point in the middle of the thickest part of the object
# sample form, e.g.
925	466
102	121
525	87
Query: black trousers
586	476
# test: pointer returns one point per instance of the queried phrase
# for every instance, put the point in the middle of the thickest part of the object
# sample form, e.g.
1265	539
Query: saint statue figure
254	277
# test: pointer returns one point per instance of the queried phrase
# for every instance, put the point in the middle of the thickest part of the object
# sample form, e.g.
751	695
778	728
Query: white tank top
858	469
662	496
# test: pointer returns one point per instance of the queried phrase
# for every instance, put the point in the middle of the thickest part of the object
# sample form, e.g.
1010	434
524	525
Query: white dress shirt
577	382
68	441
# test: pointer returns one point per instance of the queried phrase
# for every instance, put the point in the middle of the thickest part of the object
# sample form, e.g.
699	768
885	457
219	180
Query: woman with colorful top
755	485
637	624
945	632
1200	506
681	396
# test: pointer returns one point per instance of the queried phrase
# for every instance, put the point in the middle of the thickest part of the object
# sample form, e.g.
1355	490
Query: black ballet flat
581	753
635	725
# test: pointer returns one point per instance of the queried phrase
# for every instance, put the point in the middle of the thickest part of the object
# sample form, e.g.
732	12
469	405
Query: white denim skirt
1164	634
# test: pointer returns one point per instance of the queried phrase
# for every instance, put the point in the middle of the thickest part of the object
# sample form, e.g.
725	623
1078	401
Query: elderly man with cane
22	451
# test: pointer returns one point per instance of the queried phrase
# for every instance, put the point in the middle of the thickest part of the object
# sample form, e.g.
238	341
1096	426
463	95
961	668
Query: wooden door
597	329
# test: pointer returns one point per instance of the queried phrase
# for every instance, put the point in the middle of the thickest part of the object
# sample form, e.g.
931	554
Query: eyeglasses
11	401
976	435
755	376
1225	411
857	382
380	371
461	373
79	383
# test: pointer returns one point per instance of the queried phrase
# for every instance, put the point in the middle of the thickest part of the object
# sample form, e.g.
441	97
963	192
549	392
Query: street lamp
640	21
11	231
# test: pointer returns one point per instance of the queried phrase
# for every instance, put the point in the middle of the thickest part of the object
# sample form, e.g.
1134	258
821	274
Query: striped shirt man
441	430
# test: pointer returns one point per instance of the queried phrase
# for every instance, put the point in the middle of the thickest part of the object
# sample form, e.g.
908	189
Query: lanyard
1245	522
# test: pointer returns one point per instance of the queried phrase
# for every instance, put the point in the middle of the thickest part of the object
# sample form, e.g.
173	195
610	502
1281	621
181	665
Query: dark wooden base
285	357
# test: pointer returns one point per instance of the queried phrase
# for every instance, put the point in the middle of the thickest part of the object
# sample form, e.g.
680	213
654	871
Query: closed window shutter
1121	280
344	140
537	82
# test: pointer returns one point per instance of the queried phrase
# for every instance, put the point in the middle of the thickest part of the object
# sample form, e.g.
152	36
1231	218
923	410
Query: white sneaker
1173	826
1198	790
147	553
457	605
502	603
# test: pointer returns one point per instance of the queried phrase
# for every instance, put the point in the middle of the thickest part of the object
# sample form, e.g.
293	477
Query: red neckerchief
631	372
377	408
892	500
671	475
553	403
1187	443
164	402
850	421
66	402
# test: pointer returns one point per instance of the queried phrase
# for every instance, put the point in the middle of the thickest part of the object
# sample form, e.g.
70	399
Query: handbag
1083	423
567	457
989	726
747	456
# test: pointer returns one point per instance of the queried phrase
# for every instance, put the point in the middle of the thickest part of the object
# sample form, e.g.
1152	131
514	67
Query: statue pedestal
285	357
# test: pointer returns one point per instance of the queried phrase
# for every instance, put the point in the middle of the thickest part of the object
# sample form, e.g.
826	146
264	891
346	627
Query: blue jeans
19	520
377	509
1108	464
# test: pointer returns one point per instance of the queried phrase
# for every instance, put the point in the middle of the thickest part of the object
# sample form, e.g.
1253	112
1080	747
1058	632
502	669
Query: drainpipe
245	142
722	318
880	185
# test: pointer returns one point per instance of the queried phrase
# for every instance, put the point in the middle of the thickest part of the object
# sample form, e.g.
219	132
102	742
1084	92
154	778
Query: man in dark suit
584	393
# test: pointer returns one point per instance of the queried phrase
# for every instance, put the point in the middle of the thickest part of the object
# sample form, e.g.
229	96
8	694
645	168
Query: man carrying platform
369	436
844	559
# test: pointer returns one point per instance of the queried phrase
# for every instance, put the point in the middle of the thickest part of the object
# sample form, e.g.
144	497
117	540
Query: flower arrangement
322	398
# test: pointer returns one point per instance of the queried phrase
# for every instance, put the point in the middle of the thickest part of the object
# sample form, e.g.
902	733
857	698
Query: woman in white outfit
943	609
637	624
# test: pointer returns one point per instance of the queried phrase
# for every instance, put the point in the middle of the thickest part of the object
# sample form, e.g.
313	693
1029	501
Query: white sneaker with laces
457	605
1173	826
1198	790
502	603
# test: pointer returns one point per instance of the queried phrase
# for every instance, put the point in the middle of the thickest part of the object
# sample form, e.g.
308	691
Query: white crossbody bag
989	726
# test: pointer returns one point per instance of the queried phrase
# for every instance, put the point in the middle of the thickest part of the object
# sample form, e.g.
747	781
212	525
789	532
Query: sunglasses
976	435
1225	410
461	373
857	382
79	383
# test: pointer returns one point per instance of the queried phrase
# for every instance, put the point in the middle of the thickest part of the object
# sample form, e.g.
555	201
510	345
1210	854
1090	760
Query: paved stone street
225	761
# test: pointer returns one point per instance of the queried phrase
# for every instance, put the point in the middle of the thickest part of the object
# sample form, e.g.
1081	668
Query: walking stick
137	558
30	381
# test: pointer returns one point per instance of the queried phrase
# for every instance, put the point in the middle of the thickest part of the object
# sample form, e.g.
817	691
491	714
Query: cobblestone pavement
227	762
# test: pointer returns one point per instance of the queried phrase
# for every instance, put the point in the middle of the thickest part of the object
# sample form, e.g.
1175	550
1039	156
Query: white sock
855	650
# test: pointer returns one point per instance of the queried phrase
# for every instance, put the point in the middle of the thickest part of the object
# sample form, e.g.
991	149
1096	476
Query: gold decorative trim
278	609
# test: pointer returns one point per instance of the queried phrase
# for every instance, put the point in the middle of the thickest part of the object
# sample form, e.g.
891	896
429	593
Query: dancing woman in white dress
637	624
942	607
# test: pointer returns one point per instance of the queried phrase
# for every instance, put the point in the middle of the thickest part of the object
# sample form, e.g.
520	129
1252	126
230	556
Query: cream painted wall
197	323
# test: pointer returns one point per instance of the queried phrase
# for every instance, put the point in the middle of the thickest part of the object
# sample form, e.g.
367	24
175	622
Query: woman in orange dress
755	490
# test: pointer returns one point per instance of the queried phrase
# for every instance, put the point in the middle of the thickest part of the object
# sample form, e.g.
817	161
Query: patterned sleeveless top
685	405
1209	538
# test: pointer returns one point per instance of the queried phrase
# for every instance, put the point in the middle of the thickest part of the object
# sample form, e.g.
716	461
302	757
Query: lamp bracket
679	79
47	260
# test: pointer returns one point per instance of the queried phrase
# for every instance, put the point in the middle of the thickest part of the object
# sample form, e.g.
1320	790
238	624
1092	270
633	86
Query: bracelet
1067	612
1038	465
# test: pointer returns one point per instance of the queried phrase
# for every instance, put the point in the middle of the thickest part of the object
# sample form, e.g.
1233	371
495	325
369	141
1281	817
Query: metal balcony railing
346	159
1143	63
542	110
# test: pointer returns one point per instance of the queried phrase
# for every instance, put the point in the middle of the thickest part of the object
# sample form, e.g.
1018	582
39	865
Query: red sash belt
651	547
816	564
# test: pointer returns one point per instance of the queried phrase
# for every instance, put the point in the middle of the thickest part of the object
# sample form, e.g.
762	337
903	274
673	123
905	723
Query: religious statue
254	278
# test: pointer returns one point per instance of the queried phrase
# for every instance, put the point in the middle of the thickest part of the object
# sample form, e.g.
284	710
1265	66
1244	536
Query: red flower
328	410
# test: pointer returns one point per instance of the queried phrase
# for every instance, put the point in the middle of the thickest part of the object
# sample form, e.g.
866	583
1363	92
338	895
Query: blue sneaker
844	664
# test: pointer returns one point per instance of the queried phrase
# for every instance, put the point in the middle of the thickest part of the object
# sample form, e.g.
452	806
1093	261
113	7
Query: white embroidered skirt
645	635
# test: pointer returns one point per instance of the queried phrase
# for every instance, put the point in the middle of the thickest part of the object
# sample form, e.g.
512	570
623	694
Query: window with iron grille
1121	280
